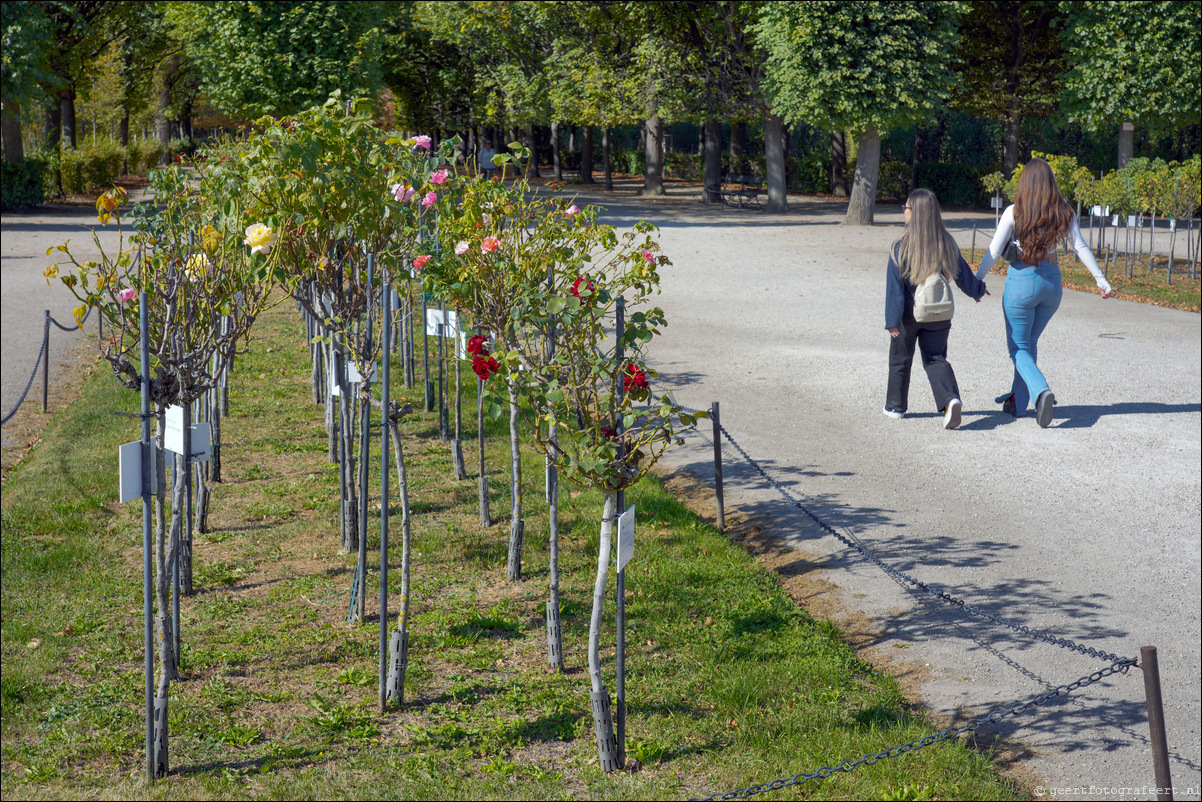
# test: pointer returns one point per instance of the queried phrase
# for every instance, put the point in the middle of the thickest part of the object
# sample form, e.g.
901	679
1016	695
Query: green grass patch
729	683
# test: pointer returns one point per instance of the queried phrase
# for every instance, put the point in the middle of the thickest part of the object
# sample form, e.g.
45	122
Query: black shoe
1043	408
1008	406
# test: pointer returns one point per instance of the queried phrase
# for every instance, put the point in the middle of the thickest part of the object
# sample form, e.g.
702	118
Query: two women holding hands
1026	235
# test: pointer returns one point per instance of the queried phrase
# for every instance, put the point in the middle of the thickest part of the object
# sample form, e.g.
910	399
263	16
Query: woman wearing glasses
924	250
1030	228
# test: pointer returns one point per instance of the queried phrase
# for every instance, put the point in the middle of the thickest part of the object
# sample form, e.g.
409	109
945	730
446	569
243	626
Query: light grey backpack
933	302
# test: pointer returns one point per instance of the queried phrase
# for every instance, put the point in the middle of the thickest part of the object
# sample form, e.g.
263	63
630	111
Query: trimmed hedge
96	164
21	184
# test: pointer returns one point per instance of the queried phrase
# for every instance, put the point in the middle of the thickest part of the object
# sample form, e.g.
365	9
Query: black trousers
931	339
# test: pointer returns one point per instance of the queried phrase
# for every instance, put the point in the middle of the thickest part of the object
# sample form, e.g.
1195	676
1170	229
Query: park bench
740	190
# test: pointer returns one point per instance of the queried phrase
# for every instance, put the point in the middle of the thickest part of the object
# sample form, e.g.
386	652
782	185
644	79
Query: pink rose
423	141
420	261
402	193
648	255
461	247
439	177
490	245
572	210
128	294
430	199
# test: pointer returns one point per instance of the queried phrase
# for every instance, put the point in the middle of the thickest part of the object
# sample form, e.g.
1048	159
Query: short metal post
46	361
718	466
1160	748
972	258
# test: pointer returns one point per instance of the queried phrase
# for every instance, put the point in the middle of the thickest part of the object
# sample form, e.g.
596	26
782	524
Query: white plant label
625	537
200	442
995	203
1131	221
174	429
436	324
129	459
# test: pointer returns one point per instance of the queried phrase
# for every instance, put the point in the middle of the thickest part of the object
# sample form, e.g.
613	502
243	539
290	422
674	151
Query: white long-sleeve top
1005	231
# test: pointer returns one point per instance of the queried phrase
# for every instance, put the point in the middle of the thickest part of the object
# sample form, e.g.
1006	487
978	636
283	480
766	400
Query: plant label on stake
625	537
129	458
174	429
200	436
437	325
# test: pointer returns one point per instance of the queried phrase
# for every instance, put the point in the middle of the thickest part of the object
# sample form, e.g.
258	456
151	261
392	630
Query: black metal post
46	360
385	400
148	465
620	678
718	466
1160	747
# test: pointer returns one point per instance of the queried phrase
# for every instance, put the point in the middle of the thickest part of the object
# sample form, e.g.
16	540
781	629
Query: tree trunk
556	164
554	634
916	158
602	724
774	160
861	207
123	130
395	693
54	126
738	149
586	154
609	176
839	164
513	568
532	144
713	161
67	104
14	150
185	123
1010	146
1126	143
653	177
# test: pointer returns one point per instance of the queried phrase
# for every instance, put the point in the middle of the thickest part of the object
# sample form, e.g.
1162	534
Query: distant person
1030	228
924	254
486	156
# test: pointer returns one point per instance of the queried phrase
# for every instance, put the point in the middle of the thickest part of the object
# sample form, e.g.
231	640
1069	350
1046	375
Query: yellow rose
259	238
197	267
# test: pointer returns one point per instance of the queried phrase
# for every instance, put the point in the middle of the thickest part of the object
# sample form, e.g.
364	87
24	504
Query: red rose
485	366
609	434
575	290
476	345
635	379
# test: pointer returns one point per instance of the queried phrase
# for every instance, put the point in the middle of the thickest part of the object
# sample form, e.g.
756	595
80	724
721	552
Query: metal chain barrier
1118	665
28	384
853	543
992	717
42	352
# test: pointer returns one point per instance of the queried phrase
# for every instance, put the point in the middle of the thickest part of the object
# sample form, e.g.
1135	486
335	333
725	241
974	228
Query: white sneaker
893	413
951	415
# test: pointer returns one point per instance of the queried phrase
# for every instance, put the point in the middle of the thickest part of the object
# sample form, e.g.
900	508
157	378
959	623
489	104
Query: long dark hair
1041	214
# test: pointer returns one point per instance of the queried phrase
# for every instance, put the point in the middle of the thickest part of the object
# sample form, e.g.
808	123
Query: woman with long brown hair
1039	218
925	252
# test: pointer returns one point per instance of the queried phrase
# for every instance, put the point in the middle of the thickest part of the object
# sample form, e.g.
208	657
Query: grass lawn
729	682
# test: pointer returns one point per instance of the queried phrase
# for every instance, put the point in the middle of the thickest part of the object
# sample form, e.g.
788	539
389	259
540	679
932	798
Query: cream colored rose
259	238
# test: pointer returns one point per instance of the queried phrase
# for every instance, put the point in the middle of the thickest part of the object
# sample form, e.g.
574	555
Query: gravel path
24	239
1088	529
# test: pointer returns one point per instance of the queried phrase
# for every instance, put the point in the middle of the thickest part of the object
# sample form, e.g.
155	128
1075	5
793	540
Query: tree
866	66
1134	60
26	70
1010	62
277	57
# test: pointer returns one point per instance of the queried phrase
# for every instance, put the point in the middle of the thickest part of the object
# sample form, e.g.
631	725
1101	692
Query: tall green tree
1135	60
280	56
865	66
27	44
1010	62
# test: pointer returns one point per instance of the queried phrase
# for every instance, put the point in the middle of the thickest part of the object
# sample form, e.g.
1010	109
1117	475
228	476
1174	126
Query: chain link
41	353
853	543
86	315
1118	665
1121	666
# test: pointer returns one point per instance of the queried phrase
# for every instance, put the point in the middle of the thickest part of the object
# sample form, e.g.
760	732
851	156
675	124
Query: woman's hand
893	332
978	299
1105	293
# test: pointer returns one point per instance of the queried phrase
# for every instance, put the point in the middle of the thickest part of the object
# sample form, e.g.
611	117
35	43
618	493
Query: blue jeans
1031	297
